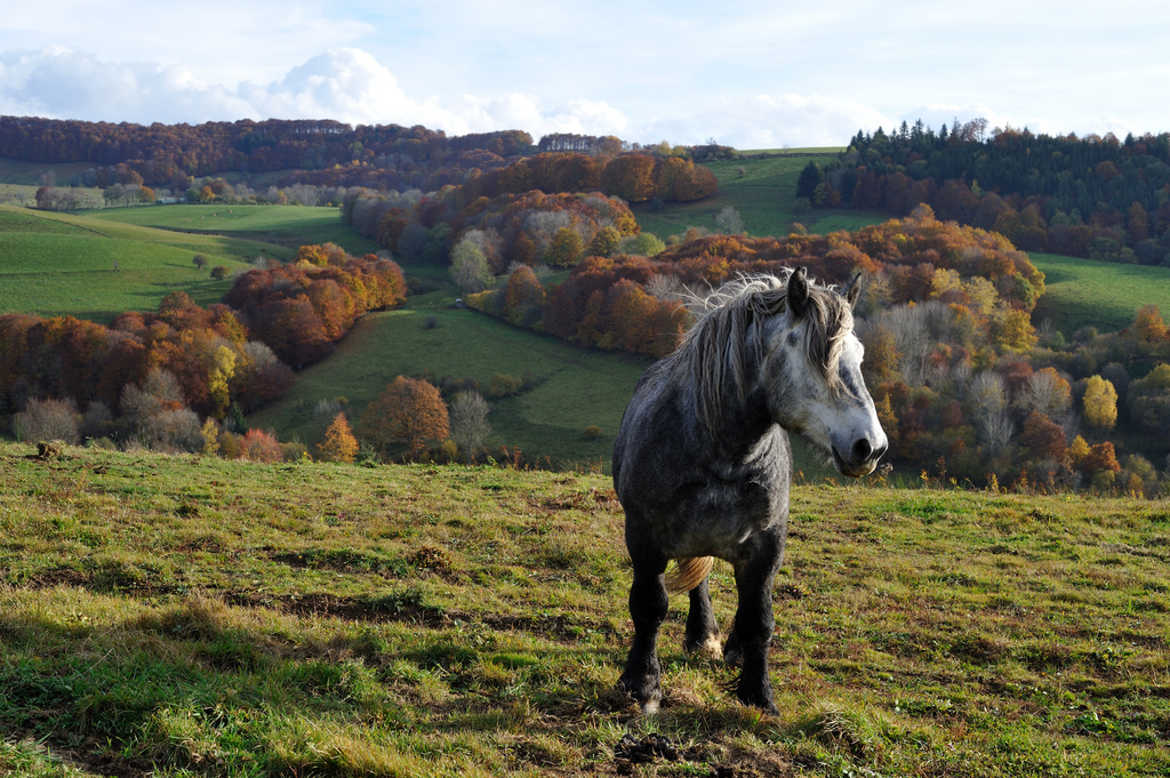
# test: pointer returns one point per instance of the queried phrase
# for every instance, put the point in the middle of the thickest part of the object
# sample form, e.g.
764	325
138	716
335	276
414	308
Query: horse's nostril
861	450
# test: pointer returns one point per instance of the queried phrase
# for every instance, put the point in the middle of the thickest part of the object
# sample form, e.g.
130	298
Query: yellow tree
1100	403
1148	325
339	444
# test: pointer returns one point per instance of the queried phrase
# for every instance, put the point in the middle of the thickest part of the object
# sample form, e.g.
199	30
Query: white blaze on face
839	419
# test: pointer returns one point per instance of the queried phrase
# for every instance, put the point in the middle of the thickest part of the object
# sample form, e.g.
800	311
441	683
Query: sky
756	75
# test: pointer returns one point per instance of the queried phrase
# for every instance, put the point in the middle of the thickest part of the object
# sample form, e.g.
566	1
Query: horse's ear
798	291
853	291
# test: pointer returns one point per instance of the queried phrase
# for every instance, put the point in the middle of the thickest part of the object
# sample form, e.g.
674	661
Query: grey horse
702	463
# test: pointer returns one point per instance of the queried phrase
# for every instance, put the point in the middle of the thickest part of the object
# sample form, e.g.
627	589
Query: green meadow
761	185
179	616
567	389
64	264
287	225
1106	295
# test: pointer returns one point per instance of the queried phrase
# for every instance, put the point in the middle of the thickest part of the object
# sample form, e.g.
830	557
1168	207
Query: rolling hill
55	264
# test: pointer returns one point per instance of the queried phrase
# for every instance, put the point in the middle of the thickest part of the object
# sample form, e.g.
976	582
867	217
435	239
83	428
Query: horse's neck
739	429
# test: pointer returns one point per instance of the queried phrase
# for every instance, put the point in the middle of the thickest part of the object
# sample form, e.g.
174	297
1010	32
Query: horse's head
813	375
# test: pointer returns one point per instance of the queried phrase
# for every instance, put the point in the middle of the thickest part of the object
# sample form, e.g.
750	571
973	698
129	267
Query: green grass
289	225
1085	292
184	616
572	388
56	264
764	195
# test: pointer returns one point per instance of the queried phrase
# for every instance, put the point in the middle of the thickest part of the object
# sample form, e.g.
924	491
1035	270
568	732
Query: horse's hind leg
702	634
752	632
648	604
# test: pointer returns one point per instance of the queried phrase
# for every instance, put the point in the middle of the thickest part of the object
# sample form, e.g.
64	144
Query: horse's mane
716	353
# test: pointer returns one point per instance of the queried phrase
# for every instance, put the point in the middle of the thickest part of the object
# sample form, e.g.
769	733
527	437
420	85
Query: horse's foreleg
648	604
702	634
752	632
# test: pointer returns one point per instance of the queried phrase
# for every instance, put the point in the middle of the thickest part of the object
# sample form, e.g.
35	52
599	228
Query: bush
260	446
469	424
592	432
171	430
48	420
504	385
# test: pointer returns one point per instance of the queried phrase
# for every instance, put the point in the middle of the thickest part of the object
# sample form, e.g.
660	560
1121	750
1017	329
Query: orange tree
408	414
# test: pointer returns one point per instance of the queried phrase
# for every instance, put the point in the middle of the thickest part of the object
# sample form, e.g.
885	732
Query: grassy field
181	616
288	225
571	388
764	194
1083	292
56	264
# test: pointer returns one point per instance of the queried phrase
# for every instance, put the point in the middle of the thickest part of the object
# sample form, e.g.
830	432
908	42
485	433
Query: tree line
1096	197
150	378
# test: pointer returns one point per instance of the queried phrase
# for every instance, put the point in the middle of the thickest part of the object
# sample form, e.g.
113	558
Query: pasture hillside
1106	295
566	389
184	616
56	264
287	225
761	185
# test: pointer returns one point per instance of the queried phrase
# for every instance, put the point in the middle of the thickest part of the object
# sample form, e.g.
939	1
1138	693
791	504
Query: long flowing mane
717	353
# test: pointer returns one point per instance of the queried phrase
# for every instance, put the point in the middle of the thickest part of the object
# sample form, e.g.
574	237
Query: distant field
1106	295
187	616
289	225
56	264
764	195
575	388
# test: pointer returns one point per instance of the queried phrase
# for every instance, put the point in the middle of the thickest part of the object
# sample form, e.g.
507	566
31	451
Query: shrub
260	446
175	429
469	424
503	385
48	420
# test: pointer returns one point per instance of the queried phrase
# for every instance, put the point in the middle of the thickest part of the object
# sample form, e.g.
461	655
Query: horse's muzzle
862	459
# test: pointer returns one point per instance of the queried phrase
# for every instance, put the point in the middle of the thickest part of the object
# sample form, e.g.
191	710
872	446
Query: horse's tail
689	573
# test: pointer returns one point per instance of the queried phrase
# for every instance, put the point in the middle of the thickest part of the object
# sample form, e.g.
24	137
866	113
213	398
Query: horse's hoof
732	656
710	647
758	699
647	696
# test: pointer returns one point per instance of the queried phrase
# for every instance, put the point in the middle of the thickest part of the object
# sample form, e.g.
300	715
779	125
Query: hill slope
187	615
56	264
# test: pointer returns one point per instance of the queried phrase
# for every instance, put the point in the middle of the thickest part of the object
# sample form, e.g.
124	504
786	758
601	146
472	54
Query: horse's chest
717	517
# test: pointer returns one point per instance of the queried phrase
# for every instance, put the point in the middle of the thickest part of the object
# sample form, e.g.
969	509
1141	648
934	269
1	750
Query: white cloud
347	84
770	121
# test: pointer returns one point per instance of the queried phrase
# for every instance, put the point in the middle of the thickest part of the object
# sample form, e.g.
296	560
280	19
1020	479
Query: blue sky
756	75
